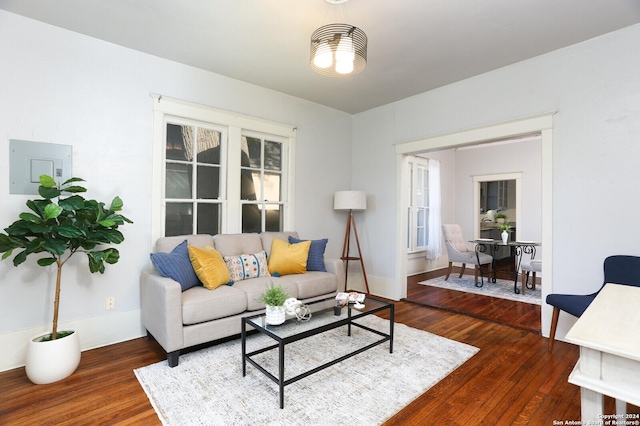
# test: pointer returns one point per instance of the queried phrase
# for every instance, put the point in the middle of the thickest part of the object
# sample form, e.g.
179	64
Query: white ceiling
414	45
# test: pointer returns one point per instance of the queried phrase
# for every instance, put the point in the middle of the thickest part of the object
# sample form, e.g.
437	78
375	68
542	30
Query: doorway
541	125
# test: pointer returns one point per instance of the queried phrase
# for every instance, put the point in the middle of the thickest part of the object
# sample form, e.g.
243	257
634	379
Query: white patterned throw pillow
247	266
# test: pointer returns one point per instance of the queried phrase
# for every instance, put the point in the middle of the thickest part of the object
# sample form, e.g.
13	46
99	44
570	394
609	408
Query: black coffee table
323	319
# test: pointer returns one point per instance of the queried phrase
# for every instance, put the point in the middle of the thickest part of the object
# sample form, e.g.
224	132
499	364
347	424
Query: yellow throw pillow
288	258
209	266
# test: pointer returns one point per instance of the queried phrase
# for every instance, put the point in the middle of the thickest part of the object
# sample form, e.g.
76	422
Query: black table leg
281	373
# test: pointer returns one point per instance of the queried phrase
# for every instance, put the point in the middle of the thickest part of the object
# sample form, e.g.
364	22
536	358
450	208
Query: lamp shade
338	50
350	200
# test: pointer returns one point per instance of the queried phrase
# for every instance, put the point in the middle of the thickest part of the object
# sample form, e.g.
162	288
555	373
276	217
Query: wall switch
111	303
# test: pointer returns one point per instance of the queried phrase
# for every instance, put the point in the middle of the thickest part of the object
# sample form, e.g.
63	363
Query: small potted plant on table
505	227
273	298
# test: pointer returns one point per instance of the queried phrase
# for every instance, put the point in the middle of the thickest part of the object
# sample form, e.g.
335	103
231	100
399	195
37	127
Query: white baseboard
93	332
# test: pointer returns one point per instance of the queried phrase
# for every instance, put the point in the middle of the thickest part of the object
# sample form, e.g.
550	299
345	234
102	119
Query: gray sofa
179	320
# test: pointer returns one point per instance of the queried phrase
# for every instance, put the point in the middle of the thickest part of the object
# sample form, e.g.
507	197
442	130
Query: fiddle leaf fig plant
62	224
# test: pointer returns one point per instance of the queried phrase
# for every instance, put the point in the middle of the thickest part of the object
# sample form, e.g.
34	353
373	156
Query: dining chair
530	266
618	269
460	252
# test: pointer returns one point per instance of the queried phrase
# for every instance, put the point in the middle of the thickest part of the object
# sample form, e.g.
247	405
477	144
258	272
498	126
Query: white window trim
236	124
424	162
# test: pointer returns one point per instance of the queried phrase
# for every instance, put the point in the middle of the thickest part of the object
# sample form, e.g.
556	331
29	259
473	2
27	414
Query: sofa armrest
336	267
161	302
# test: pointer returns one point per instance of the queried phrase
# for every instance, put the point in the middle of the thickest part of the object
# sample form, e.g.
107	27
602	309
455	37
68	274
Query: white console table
609	340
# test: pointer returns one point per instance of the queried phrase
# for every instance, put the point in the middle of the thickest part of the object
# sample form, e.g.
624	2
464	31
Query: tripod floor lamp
351	200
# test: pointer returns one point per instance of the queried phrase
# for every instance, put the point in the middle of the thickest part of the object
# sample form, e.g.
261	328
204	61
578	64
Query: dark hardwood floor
524	316
512	379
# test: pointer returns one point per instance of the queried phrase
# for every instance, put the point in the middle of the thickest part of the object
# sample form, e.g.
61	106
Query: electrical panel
28	160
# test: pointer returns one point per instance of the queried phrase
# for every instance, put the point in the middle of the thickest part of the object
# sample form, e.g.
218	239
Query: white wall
522	157
594	88
61	87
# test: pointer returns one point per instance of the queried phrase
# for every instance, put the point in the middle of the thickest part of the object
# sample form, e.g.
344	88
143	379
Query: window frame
414	163
174	111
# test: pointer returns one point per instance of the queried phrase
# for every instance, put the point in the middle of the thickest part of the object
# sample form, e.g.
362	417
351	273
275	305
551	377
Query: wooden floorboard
511	380
525	316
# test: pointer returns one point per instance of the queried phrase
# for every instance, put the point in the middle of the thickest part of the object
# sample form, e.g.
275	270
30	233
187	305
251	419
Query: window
418	211
215	171
261	189
193	178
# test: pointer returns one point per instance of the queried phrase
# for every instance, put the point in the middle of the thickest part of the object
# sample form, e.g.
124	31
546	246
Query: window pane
272	190
251	218
255	177
254	146
274	217
178	145
208	146
247	187
178	219
178	182
208	218
273	155
421	217
208	182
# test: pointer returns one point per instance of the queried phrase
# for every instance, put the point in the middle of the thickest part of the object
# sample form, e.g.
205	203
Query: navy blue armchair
617	270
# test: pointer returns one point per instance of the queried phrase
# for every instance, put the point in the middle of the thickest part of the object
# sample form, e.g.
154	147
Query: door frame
542	124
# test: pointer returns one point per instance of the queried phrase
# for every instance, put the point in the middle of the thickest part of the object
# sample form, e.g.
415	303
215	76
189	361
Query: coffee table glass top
322	314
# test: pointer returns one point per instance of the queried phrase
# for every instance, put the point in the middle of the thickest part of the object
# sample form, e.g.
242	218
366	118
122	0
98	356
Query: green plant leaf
95	262
110	236
37	206
29	217
107	223
111	256
38	228
75	202
47	181
69	231
48	193
19	228
46	261
73	179
52	211
20	257
6	253
75	189
116	204
88	245
55	247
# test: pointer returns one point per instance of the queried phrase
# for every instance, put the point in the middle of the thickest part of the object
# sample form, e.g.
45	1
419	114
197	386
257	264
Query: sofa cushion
209	266
315	260
201	305
247	266
312	284
256	286
176	265
267	238
286	259
237	244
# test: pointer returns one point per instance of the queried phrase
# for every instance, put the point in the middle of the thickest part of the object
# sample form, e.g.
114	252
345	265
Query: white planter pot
54	360
505	237
275	314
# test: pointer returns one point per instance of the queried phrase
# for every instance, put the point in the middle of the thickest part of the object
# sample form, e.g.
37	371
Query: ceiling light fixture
338	49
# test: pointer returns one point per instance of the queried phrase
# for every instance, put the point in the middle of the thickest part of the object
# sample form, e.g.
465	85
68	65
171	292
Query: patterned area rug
207	387
501	288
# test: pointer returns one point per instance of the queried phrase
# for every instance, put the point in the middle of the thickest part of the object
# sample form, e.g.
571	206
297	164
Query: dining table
491	246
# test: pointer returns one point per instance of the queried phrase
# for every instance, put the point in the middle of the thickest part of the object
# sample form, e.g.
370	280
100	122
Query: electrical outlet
111	303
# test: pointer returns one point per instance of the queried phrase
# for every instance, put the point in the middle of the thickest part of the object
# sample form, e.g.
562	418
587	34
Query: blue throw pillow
315	261
177	266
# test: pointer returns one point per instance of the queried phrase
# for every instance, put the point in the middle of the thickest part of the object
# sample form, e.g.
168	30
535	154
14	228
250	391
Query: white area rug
207	387
501	288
